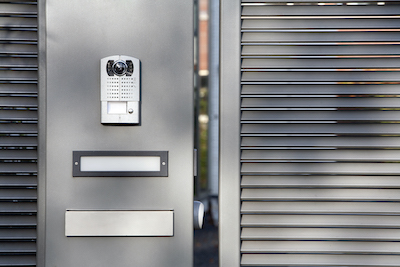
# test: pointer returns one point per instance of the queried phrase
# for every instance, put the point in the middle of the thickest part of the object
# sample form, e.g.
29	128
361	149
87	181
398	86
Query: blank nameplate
119	223
115	107
120	163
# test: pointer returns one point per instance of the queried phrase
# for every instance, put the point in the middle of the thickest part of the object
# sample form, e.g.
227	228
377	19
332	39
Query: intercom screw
130	111
76	163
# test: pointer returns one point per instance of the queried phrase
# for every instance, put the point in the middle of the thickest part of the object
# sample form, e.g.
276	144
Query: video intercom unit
120	90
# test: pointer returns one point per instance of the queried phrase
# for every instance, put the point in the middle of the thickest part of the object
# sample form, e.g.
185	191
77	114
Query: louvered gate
18	132
319	134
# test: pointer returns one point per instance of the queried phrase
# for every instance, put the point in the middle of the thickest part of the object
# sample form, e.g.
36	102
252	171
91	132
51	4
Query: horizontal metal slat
320	194
17	207
18	154
315	247
19	80
318	23
18	35
15	74
12	8
16	61
18	260
321	10
323	128
18	115
315	181
342	76
345	89
280	2
22	141
338	62
11	168
333	50
354	234
10	56
320	207
18	194
17	234
337	221
321	168
18	180
337	115
323	101
319	260
18	129
320	155
18	246
334	141
19	13
18	48
7	22
18	89
336	36
15	221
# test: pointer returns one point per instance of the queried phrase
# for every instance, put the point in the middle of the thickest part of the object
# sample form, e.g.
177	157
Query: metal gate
318	133
18	132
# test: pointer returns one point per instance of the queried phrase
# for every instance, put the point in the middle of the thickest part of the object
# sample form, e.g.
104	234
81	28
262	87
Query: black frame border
76	160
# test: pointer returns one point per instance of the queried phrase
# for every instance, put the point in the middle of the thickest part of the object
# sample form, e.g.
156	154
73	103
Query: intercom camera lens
119	68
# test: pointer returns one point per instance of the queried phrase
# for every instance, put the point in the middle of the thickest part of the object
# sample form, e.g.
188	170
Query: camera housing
119	67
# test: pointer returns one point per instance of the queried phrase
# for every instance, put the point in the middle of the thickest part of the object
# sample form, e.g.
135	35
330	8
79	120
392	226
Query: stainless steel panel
119	223
78	35
229	185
